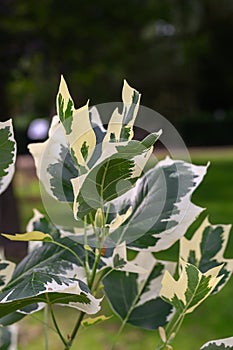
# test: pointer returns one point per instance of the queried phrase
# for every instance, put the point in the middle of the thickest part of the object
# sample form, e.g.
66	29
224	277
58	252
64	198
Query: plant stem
171	330
87	267
46	327
82	314
76	328
67	347
68	249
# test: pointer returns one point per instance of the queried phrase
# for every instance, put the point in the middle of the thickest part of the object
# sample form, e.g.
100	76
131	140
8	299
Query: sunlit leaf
79	133
120	127
54	164
87	322
191	289
28	236
112	176
206	250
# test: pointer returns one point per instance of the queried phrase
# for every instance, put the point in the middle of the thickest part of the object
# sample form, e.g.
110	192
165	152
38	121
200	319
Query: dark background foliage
177	52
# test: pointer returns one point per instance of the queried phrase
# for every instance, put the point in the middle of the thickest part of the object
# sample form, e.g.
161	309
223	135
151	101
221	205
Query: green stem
67	347
76	328
46	327
94	269
171	330
69	250
82	314
87	267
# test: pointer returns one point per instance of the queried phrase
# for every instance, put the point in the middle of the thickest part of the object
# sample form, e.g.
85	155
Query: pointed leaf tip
29	236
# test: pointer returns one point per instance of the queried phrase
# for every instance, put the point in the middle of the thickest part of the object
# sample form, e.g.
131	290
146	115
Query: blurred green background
179	54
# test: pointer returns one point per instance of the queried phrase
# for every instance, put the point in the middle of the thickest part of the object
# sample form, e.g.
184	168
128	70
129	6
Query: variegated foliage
206	250
191	289
118	207
83	163
220	344
7	154
135	296
49	274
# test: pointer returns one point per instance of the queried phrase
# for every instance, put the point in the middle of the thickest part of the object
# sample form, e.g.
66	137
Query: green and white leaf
49	263
111	176
220	344
9	337
101	184
161	206
55	166
120	126
191	289
79	133
206	250
119	261
39	287
8	154
134	297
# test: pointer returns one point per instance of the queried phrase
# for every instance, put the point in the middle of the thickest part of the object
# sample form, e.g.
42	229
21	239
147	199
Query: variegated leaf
55	166
191	289
112	176
79	133
220	344
51	261
161	206
40	287
206	250
134	297
118	261
8	154
120	126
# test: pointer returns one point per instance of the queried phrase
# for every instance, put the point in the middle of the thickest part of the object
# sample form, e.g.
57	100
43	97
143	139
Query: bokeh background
178	53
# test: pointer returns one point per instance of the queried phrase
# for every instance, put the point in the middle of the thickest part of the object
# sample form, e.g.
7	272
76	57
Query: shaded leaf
40	287
134	297
161	206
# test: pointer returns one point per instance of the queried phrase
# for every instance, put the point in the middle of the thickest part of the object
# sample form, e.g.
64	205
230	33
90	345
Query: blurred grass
212	320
